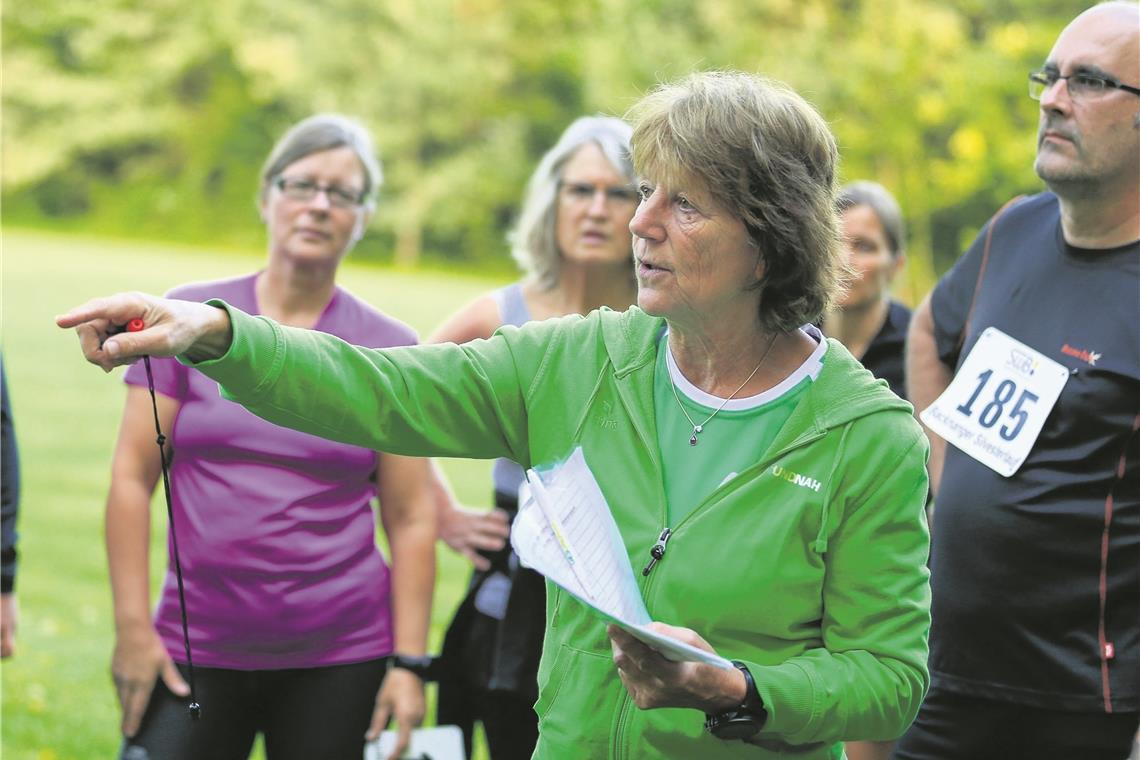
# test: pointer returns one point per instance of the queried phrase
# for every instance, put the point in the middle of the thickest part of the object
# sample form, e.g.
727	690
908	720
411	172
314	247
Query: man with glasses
1026	359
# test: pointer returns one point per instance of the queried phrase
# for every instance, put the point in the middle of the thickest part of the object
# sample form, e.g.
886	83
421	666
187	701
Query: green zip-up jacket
809	566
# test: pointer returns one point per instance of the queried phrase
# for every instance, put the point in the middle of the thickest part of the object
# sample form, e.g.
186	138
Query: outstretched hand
171	327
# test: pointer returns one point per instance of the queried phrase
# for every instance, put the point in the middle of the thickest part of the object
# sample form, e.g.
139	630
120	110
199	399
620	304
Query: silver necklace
698	429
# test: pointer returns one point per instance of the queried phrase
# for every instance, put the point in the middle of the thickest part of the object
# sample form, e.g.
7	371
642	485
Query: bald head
1109	36
1124	11
1088	140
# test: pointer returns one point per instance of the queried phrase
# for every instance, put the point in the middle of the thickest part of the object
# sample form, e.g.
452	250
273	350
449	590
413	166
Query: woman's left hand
654	681
469	531
401	698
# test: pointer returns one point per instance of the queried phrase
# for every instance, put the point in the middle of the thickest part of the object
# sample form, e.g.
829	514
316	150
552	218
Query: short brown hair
767	157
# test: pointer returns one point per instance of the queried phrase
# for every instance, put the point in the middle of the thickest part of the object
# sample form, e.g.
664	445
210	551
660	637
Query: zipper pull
658	550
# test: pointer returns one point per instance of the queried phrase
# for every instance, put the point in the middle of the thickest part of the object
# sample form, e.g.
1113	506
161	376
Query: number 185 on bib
998	401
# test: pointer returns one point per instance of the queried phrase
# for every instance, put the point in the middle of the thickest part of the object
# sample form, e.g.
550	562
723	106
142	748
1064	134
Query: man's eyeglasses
1080	85
306	190
584	192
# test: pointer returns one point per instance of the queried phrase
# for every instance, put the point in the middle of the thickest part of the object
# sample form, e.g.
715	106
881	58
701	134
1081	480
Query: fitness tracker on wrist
420	665
741	722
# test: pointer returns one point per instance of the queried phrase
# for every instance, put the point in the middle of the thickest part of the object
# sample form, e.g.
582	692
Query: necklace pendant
698	428
693	437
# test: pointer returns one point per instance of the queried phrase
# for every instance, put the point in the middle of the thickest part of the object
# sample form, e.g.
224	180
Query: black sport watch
422	664
742	722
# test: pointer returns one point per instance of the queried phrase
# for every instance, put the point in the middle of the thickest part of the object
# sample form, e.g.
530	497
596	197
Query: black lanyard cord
195	708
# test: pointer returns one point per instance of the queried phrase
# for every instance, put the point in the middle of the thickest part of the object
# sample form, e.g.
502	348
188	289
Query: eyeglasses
1081	85
306	190
584	192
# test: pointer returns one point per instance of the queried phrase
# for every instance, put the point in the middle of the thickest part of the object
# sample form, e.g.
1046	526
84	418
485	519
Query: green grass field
57	700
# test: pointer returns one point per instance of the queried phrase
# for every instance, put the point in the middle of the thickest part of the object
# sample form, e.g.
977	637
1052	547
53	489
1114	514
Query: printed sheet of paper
565	531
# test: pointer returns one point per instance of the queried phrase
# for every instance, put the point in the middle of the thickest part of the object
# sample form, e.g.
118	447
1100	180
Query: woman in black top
868	321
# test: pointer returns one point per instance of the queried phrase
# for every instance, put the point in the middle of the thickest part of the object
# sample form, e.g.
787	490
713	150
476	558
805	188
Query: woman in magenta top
293	612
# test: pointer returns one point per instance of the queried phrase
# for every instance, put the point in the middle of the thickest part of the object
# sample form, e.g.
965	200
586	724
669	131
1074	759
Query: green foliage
58	702
152	119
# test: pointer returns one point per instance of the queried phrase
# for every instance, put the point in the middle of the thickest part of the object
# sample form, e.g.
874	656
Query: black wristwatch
742	722
420	664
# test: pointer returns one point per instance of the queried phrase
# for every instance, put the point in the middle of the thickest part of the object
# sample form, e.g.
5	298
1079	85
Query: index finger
117	309
403	738
477	560
381	715
622	638
687	635
499	517
134	702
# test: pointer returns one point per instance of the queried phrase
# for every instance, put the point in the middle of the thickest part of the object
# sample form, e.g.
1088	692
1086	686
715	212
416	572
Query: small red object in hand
135	325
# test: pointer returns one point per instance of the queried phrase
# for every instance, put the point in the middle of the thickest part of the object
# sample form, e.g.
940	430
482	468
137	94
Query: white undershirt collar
810	368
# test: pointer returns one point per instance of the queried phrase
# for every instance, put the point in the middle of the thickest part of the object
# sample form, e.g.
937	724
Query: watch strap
741	722
422	665
752	703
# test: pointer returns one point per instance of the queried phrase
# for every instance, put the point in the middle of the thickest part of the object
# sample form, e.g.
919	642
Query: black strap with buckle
743	722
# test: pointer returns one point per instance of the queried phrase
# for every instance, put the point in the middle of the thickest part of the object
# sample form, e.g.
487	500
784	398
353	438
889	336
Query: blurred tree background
150	119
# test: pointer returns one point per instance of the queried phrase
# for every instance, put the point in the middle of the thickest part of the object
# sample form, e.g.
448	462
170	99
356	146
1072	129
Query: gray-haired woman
293	612
767	488
573	244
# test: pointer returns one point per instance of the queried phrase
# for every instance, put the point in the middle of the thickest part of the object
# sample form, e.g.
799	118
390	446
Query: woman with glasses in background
292	610
573	244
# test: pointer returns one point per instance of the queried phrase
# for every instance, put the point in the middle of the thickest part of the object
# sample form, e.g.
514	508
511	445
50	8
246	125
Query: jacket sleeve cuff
254	359
788	694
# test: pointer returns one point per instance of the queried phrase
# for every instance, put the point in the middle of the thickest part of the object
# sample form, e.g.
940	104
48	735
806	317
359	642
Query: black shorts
953	726
303	713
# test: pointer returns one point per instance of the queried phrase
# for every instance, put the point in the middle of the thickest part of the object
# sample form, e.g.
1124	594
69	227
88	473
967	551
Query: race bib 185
996	405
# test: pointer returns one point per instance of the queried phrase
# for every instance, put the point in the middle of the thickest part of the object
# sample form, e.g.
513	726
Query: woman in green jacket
768	488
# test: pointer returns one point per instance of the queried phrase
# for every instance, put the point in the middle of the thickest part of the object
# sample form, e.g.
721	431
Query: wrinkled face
595	204
869	254
316	229
1094	141
694	261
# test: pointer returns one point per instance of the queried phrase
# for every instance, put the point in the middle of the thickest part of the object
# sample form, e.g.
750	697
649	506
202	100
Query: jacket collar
844	390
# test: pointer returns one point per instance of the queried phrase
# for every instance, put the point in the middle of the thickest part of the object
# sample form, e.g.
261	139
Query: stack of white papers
438	743
565	531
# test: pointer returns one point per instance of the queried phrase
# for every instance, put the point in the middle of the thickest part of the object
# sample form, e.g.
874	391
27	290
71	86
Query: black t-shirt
1018	564
9	489
884	355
